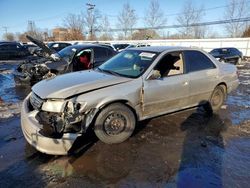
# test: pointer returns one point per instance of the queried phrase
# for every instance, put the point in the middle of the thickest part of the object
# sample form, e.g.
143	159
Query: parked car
12	51
229	55
43	49
137	45
57	46
71	58
31	47
106	44
120	47
134	85
53	46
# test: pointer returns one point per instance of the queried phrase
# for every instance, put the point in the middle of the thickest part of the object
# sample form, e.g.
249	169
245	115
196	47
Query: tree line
91	25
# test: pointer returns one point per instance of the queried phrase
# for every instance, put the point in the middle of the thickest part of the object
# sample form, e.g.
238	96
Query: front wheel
115	123
217	98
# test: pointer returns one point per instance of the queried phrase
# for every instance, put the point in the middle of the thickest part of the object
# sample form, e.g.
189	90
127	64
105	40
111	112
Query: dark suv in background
229	55
13	50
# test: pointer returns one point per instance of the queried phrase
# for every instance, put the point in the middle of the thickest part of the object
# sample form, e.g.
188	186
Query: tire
217	98
114	124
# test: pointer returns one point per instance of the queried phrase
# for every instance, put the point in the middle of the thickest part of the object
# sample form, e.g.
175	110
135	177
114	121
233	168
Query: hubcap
216	99
114	124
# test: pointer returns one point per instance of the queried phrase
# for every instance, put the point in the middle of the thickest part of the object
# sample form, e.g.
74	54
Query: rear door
202	76
100	55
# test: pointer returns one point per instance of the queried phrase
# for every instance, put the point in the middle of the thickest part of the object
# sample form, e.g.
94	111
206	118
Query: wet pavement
185	149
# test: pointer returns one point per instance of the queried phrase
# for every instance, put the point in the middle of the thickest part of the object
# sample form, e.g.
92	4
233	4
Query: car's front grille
36	101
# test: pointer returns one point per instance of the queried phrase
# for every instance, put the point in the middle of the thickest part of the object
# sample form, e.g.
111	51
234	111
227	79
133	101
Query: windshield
129	63
67	53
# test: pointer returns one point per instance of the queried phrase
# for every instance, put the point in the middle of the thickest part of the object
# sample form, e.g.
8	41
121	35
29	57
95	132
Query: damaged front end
52	126
30	73
35	68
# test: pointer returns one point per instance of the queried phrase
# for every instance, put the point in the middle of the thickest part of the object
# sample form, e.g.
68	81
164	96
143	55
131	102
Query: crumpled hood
67	85
41	45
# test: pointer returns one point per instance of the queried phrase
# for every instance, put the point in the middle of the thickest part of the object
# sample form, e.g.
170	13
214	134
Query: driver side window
171	64
83	60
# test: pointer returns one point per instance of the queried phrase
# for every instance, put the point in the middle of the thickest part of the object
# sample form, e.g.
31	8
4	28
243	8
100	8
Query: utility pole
90	8
5	29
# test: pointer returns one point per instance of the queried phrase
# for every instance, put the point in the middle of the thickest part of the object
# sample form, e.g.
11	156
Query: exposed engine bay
33	71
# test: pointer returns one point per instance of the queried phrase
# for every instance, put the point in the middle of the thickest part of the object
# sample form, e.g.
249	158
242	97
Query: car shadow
202	153
83	143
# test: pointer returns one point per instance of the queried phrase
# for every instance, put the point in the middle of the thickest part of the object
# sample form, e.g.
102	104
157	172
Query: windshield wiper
101	70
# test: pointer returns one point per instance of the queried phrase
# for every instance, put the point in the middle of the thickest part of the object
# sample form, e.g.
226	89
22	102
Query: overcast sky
47	14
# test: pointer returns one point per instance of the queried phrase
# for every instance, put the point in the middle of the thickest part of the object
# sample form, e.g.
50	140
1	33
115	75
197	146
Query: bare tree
9	36
236	9
105	28
127	19
189	16
154	16
22	37
144	34
92	19
74	23
33	31
246	33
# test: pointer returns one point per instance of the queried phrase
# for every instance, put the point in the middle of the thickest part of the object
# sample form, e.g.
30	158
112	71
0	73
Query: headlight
61	105
54	105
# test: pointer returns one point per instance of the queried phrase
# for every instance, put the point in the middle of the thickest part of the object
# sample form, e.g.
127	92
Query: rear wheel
217	98
115	123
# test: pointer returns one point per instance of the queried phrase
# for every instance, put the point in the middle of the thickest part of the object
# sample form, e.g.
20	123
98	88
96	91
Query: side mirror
155	75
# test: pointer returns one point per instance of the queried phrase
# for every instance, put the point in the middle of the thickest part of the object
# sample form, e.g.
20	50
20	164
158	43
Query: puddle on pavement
195	154
239	100
10	94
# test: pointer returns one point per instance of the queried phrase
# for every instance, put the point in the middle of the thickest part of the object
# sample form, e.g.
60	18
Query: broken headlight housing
60	116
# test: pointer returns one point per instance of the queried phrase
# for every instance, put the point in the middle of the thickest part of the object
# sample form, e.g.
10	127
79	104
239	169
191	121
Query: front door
170	91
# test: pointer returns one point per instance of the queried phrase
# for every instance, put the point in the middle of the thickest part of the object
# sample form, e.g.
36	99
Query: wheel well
224	86
53	71
125	102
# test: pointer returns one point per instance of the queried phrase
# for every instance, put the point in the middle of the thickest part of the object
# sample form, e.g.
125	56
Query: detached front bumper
31	128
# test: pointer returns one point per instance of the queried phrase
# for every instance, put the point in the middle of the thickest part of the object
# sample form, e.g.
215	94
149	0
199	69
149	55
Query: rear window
197	61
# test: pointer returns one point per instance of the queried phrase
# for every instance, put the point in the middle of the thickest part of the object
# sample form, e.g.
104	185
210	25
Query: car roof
79	46
9	42
159	49
225	48
59	43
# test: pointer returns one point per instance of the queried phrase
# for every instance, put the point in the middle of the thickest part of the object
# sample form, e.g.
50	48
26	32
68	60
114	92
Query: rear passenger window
197	61
109	52
234	51
100	52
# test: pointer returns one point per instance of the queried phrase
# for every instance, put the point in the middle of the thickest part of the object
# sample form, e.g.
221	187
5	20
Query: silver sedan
137	84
